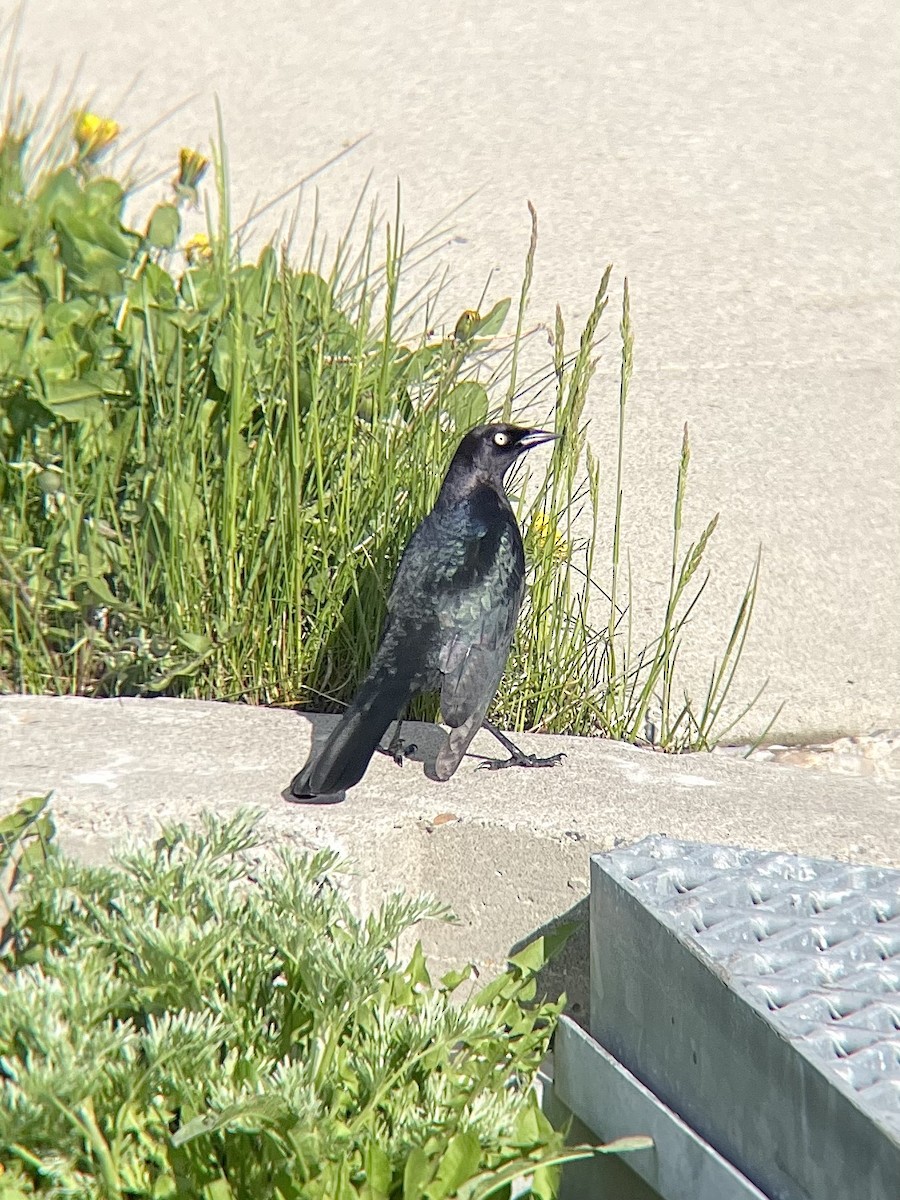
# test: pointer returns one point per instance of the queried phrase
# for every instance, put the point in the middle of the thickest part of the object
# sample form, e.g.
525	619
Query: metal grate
812	944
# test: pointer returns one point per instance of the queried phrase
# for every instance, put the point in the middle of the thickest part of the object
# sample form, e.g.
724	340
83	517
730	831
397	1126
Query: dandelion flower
93	134
545	538
197	249
192	166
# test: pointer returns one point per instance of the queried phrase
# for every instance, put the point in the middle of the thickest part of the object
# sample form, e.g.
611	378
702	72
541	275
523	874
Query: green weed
208	470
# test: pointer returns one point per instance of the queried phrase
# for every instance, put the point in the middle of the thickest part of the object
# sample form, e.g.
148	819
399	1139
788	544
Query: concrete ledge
508	851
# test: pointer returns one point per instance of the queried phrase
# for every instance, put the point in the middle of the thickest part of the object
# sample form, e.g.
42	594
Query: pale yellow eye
501	439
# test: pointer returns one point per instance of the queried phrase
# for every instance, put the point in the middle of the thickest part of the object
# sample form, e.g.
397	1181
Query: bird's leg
518	758
396	748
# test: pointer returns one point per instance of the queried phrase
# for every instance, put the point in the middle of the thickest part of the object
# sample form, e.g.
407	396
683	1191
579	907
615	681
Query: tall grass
209	496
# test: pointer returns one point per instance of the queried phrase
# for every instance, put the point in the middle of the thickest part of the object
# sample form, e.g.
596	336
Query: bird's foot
398	751
396	748
517	757
520	759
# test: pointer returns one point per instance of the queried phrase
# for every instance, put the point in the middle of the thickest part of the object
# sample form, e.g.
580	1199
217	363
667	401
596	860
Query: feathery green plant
190	1022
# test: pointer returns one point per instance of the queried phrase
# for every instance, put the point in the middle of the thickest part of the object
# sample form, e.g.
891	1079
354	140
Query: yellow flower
93	135
544	535
192	167
198	249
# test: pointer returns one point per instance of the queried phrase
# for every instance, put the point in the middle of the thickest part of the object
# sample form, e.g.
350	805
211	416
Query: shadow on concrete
569	970
422	740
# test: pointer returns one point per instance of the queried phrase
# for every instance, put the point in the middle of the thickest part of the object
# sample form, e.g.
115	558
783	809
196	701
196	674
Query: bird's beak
534	437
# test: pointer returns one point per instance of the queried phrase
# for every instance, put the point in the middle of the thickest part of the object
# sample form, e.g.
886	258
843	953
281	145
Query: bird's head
492	449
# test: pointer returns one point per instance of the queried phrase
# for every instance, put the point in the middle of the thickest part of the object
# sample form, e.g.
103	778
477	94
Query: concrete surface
508	850
739	163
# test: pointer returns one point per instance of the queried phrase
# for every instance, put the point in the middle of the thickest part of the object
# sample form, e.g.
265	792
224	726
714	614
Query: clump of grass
188	1022
209	469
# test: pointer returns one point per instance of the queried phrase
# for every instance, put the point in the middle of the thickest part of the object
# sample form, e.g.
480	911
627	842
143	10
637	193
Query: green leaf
56	360
60	317
201	287
97	232
99	589
222	359
164	226
21	303
538	953
377	1166
459	1163
73	400
219	1189
14	823
416	1174
60	193
105	197
492	321
197	643
154	288
467	405
12	363
13	222
452	979
626	1145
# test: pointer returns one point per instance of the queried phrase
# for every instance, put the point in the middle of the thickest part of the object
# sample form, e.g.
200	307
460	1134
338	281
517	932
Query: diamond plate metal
811	946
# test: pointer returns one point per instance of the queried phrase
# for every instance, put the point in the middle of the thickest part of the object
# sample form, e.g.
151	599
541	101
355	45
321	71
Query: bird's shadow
421	742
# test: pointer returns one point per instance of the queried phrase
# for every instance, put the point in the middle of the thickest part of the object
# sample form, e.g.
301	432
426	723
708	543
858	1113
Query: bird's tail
343	759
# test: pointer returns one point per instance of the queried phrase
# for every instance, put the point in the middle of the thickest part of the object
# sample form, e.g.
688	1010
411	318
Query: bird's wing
455	599
477	626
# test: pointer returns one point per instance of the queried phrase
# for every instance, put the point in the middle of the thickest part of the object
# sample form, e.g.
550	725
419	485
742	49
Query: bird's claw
398	751
520	760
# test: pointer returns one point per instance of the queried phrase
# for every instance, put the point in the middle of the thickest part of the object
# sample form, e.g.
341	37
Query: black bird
451	615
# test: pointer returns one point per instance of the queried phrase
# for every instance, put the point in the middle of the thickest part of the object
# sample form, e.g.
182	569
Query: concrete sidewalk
740	164
508	851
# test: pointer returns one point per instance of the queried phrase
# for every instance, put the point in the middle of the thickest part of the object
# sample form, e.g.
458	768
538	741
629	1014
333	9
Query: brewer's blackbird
451	614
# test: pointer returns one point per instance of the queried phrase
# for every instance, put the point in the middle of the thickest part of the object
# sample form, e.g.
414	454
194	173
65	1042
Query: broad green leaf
12	364
538	953
98	232
197	643
104	196
60	193
73	400
222	359
492	321
164	226
56	360
13	221
99	589
532	1126
109	382
417	971
219	1189
377	1166
452	979
62	316
154	288
458	1163
202	287
416	1174
21	817
467	405
21	303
